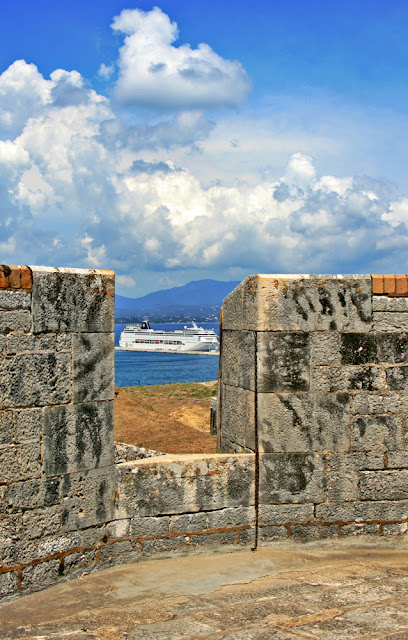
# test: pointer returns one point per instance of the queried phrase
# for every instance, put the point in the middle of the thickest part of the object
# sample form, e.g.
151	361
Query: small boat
141	337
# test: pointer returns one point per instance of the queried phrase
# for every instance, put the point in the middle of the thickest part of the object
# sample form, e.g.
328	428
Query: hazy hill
200	299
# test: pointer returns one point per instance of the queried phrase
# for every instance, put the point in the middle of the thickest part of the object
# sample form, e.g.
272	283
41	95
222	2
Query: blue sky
201	139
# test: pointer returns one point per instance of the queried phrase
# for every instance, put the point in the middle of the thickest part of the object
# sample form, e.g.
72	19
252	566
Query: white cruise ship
141	337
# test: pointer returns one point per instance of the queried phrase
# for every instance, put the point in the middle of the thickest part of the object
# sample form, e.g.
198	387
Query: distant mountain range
200	300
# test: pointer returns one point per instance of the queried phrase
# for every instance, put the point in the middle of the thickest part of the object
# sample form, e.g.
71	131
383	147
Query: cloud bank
79	186
155	73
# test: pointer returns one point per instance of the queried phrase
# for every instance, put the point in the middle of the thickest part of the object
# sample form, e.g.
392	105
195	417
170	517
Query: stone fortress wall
312	413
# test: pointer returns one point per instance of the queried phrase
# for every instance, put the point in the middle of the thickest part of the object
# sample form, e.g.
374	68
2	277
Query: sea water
133	368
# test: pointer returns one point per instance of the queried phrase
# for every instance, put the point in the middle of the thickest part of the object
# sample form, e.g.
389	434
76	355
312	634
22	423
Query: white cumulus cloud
155	73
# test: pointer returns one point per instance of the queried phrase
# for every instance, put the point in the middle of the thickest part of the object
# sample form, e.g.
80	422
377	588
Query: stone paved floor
353	588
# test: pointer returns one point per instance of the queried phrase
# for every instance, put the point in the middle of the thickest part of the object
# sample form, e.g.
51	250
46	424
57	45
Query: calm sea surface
134	368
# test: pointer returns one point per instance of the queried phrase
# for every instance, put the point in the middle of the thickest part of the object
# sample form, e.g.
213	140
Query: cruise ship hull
197	340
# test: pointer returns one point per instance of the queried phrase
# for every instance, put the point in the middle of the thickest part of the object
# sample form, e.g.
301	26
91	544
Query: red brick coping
389	285
16	277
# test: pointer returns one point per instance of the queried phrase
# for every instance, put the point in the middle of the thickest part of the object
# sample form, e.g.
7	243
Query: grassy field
174	418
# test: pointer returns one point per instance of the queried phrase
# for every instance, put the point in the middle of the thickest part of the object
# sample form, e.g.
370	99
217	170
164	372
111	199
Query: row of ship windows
160	341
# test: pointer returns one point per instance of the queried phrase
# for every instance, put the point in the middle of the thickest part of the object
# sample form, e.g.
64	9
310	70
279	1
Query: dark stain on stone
298	420
55	440
361	424
342	299
358	298
51	491
397	378
299	307
101	500
310	303
89	428
327	306
358	348
291	472
363	379
333	325
284	359
392	347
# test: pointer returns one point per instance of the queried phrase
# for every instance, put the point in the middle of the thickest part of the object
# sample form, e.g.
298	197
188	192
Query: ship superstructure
141	337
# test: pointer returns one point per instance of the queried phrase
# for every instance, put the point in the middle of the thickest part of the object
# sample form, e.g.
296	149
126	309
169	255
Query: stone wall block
379	404
349	378
13	300
6	427
35	379
87	498
8	583
33	494
377	433
38	523
358	348
283	361
397	378
16	321
28	424
303	422
275	514
392	348
240	307
238	416
362	511
397	459
390	321
292	478
29	343
72	300
20	462
93	366
78	437
238	359
343	477
306	303
384	485
384	303
325	348
41	575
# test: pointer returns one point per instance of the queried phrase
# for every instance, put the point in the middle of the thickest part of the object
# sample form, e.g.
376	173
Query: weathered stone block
8	583
300	302
20	462
397	459
350	378
384	303
111	554
79	563
292	477
13	300
238	359
313	532
231	517
303	422
376	433
28	424
325	348
153	487
21	344
39	523
285	513
283	361
397	378
87	498
145	527
362	511
64	342
237	416
379	404
384	485
50	545
358	348
392	347
359	529
33	494
15	321
390	321
272	532
37	379
77	300
78	437
395	529
6	427
118	529
343	477
189	522
93	367
41	575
